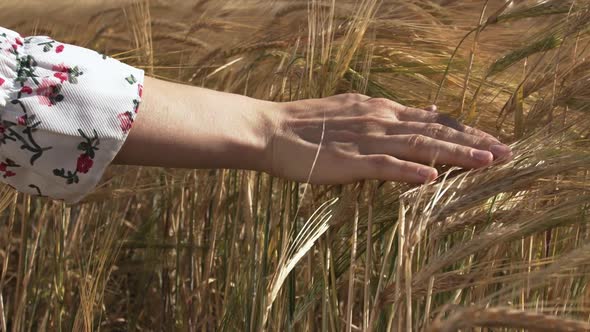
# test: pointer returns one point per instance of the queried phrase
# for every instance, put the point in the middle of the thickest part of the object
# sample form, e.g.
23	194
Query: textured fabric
65	112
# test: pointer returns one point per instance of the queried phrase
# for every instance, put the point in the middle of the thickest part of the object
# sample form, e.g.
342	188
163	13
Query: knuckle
380	103
380	162
352	96
481	141
437	130
416	140
372	124
360	108
374	121
368	124
369	118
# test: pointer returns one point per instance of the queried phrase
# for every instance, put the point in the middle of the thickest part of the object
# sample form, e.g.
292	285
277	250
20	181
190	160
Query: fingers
431	108
429	115
418	115
427	150
387	168
448	134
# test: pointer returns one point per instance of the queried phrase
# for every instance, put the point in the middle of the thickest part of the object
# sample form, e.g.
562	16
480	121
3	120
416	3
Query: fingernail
500	150
480	155
427	173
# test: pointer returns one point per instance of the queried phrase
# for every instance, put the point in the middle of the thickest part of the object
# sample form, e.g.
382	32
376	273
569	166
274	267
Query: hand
355	137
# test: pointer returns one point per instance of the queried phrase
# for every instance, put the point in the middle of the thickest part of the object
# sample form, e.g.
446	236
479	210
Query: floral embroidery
135	105
62	76
126	118
48	92
26	135
22	120
48	46
37	189
17	43
131	79
126	121
85	160
25	69
84	163
136	102
65	73
6	173
41	76
26	89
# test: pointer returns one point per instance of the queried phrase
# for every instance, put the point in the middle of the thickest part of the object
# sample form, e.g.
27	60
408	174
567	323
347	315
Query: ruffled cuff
66	111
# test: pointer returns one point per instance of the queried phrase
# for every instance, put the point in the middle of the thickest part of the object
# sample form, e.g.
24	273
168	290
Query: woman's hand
335	140
350	137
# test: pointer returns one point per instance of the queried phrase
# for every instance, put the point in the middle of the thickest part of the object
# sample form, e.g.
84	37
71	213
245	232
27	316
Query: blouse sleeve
65	112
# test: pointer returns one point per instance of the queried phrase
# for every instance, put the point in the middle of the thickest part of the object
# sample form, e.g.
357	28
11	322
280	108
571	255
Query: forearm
182	126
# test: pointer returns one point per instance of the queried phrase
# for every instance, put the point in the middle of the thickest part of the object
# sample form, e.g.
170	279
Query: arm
360	137
182	126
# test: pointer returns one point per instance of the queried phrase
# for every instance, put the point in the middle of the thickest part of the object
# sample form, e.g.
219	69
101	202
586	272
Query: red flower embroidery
62	68
26	89
140	87
65	73
18	41
22	120
2	81
59	49
62	72
126	121
48	92
44	91
4	168
84	163
2	129
62	76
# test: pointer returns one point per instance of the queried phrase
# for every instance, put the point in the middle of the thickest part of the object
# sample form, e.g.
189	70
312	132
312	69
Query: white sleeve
65	112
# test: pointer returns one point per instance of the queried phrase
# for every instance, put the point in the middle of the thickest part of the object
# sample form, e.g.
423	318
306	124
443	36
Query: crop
501	248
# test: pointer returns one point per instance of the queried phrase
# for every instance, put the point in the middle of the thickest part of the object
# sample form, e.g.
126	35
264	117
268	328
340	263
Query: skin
344	138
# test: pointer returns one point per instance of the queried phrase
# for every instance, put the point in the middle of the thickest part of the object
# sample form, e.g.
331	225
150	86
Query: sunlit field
505	248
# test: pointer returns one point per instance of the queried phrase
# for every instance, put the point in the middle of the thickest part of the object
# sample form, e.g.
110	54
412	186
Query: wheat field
496	249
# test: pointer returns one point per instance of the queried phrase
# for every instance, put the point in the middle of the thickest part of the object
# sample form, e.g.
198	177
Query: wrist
269	116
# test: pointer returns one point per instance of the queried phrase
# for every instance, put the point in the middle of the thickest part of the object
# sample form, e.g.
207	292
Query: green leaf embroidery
47	46
131	79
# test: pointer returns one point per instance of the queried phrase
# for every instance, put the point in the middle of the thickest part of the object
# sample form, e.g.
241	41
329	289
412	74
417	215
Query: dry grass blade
316	226
506	318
